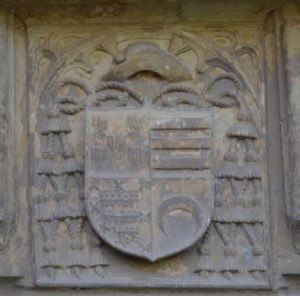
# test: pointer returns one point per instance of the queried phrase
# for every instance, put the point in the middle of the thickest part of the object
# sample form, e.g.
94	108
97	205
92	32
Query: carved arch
214	58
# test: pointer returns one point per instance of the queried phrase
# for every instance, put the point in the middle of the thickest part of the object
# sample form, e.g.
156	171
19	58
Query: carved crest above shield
148	156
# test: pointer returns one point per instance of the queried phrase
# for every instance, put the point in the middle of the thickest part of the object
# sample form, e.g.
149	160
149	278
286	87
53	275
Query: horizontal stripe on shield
181	123
163	160
178	142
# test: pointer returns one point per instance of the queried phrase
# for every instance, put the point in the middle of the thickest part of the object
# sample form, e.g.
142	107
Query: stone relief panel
149	160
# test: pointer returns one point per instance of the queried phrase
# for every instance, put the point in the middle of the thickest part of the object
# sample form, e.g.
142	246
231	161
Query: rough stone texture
149	147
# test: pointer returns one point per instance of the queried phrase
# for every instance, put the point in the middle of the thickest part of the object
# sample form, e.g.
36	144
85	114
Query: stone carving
236	243
240	175
151	156
83	87
55	172
148	169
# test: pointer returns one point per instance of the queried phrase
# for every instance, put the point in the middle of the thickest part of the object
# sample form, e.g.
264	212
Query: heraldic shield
148	179
149	188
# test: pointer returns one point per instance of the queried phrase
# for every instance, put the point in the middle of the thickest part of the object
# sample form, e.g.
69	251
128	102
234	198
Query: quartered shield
148	178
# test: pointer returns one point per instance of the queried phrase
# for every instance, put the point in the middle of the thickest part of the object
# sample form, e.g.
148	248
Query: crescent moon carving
178	202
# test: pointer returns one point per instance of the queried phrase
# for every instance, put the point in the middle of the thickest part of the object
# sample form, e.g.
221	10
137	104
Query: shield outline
208	216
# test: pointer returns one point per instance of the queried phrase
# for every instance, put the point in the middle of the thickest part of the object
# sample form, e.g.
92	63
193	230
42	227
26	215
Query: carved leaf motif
224	39
109	45
50	54
248	57
178	45
83	63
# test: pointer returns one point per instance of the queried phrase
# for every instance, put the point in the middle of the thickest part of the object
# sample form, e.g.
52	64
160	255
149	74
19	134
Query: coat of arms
148	155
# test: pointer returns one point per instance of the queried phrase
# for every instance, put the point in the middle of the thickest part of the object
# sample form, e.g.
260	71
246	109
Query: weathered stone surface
149	145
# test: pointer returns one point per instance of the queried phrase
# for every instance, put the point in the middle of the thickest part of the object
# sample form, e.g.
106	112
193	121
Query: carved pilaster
13	147
291	125
4	137
8	160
